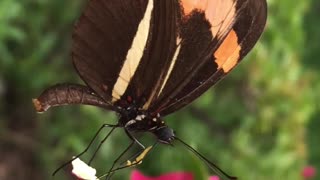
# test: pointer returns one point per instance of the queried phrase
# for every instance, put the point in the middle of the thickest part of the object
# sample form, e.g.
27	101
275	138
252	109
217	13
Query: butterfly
145	59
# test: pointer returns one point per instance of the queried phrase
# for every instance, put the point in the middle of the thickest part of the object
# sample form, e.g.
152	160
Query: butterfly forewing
200	25
247	25
101	40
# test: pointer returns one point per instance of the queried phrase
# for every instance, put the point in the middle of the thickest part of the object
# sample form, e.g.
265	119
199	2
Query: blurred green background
259	123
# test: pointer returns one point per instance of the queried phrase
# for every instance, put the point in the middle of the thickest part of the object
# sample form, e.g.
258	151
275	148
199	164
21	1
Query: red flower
136	175
308	172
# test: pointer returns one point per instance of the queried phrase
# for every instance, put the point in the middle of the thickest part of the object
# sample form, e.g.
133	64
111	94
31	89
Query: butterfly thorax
135	120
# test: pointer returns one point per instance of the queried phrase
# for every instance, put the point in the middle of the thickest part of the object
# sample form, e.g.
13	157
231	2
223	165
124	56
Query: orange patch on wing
190	5
220	13
228	54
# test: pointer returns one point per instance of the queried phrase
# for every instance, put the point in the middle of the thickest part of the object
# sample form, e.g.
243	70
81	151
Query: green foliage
253	124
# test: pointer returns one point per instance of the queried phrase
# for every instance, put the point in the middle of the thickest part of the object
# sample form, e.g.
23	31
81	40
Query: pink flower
137	175
308	172
214	178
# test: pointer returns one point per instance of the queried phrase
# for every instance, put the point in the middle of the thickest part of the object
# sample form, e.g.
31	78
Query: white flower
83	171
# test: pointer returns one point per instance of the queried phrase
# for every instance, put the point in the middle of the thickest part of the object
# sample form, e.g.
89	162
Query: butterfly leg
102	141
136	161
86	149
111	172
134	141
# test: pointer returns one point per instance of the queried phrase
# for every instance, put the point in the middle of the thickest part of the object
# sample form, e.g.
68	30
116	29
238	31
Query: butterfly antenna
211	165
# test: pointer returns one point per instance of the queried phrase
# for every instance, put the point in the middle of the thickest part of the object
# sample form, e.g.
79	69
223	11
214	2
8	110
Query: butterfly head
164	134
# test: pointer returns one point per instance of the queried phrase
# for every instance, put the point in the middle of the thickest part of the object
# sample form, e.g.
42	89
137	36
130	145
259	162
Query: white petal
82	170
